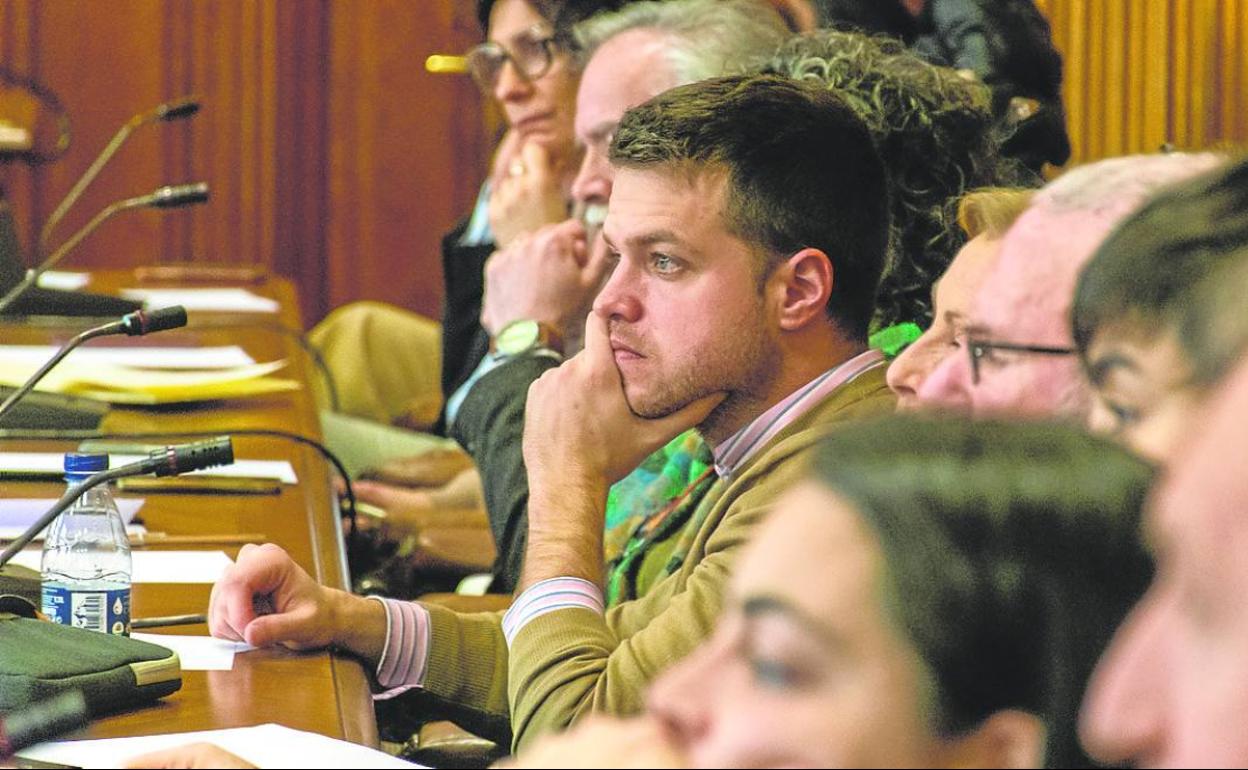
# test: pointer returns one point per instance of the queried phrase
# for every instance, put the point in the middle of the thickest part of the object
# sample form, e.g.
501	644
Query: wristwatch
524	336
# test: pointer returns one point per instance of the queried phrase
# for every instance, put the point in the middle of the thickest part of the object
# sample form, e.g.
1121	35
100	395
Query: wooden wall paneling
1232	72
234	70
1143	72
1197	100
1069	30
1115	52
395	183
107	64
301	151
1158	34
177	233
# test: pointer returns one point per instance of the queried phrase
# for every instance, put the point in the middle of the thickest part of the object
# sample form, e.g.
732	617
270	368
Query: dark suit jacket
490	426
464	342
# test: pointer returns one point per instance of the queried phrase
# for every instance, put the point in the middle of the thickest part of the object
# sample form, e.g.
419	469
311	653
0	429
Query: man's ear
1009	739
802	285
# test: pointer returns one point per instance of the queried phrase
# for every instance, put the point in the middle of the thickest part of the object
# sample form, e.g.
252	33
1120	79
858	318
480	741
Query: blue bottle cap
79	462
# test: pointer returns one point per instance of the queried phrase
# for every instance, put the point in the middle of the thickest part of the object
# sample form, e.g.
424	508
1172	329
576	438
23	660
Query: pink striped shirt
403	659
742	445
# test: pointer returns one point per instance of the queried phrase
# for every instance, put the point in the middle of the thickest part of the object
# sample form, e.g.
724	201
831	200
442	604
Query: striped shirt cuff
547	596
406	653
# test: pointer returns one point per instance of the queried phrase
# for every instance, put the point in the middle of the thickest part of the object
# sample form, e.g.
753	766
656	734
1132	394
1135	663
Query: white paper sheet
63	280
53	465
198	653
222	300
18	514
158	566
269	746
137	356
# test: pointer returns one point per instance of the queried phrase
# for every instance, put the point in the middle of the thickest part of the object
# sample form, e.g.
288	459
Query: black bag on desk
40	659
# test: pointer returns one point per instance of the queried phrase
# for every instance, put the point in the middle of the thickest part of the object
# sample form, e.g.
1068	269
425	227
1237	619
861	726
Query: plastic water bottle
86	557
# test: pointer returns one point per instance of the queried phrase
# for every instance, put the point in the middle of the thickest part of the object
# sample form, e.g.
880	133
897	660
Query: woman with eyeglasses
526	65
394	367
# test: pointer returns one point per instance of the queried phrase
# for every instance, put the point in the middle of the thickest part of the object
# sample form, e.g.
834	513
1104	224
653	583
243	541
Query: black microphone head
173	196
178	109
194	457
142	322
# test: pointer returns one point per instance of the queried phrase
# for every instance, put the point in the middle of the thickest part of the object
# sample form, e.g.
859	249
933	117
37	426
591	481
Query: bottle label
106	611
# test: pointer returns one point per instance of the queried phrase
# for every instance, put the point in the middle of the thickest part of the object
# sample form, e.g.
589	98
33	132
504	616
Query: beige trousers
386	363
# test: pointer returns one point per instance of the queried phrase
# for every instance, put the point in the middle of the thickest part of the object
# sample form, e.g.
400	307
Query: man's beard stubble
744	370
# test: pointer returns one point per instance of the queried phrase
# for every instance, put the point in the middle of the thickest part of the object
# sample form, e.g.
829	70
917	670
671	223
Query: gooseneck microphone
169	461
134	324
170	111
164	198
42	721
176	195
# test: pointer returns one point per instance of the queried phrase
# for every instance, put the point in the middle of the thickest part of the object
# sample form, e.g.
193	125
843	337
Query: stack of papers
146	376
137	356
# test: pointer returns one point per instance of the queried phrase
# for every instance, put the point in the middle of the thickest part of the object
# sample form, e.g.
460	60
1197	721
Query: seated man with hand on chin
748	228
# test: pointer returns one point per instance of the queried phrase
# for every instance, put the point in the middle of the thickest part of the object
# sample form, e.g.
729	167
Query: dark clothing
1009	45
490	426
464	341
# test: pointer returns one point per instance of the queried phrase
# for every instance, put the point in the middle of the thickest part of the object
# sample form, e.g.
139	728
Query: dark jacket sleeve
463	280
490	426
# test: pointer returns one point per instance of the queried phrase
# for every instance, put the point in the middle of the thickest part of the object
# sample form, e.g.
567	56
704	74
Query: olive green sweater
574	661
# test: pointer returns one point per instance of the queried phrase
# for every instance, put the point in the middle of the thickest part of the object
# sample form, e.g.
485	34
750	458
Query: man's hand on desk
266	599
193	755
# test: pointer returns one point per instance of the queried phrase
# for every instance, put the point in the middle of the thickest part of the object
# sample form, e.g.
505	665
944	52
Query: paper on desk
224	300
126	385
270	746
198	653
52	465
18	514
64	281
142	357
158	566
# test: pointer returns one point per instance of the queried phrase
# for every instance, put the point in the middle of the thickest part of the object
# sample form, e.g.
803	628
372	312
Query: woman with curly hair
934	131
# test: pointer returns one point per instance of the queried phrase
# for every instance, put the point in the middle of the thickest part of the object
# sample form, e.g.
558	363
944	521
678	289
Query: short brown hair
802	172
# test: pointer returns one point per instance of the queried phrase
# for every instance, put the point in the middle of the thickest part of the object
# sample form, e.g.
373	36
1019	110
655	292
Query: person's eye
772	673
988	355
664	264
1124	416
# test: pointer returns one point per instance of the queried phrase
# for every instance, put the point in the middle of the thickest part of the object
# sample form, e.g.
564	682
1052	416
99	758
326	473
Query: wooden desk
319	692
